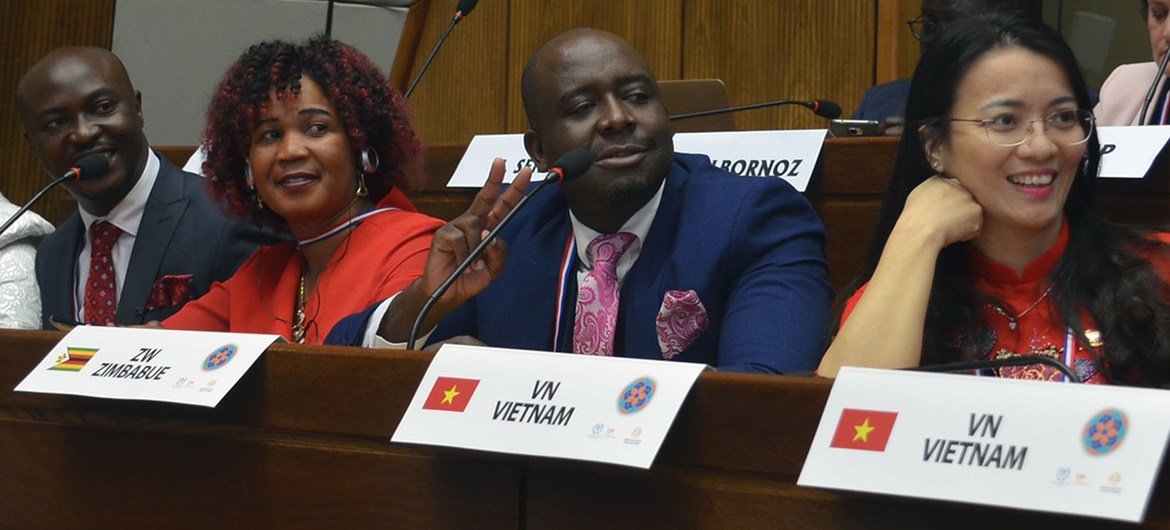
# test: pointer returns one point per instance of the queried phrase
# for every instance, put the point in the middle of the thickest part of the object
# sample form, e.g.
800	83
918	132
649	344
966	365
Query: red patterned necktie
597	300
101	291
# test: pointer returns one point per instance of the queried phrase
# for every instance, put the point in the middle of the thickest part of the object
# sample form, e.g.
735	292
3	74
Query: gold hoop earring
361	187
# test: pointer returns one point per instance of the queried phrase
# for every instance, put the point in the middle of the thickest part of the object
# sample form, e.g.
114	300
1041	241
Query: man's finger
486	198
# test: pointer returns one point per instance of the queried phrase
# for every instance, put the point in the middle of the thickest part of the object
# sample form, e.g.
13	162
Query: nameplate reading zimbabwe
790	155
580	407
188	367
1053	447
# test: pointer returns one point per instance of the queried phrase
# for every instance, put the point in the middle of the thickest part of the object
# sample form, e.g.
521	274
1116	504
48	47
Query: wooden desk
303	443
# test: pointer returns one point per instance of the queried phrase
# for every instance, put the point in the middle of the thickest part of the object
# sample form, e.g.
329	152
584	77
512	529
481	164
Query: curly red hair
373	113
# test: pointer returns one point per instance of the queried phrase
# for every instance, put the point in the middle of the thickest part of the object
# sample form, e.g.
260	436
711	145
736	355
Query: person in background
20	298
987	246
1125	89
886	103
147	238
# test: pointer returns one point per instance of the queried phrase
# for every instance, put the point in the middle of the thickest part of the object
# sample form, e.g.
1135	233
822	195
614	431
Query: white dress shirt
638	224
126	215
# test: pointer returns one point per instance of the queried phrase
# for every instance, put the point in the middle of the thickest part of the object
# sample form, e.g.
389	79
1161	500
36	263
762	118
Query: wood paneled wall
28	30
761	49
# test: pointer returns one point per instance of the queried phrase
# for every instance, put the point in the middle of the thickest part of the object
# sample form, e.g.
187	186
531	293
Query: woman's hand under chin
942	210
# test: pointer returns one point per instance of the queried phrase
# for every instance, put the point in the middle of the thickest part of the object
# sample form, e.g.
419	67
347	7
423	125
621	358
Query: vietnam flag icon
451	393
868	430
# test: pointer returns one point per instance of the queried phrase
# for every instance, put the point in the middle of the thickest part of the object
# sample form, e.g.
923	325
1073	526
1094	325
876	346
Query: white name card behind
1054	447
790	155
580	407
189	367
1128	152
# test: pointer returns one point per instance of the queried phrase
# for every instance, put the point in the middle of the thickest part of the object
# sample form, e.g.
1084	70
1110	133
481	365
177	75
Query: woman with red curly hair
311	140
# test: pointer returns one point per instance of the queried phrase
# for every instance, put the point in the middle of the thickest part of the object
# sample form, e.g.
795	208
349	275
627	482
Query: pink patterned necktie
101	291
597	300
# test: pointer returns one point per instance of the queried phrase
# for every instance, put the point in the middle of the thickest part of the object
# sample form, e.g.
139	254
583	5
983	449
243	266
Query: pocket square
681	319
171	290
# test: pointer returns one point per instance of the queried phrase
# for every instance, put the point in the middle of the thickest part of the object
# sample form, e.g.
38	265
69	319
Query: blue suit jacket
182	232
751	247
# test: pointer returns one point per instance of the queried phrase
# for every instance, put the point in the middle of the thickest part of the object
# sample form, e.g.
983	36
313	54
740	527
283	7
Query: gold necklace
1012	320
298	325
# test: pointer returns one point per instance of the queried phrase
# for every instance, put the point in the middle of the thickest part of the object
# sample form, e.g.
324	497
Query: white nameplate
189	367
1128	152
580	407
1053	447
790	155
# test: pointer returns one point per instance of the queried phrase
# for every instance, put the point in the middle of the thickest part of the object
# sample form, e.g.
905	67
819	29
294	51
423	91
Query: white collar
127	214
638	224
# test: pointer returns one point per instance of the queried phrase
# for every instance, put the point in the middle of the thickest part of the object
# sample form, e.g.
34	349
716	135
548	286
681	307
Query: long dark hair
1103	270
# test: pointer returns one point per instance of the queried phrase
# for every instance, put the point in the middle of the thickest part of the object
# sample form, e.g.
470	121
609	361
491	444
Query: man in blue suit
147	238
713	268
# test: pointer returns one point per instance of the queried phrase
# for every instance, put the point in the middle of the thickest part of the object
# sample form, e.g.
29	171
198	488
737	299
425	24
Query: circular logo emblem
219	357
1105	432
636	395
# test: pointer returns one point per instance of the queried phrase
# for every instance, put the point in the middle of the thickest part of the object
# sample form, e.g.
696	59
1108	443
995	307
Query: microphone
821	107
461	10
89	167
570	166
1023	360
1153	88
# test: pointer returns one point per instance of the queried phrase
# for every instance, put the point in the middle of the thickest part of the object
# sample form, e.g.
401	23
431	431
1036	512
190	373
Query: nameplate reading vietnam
1053	447
188	367
580	407
790	155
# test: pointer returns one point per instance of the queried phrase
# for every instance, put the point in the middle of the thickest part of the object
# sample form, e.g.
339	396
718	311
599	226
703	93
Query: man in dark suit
147	238
705	266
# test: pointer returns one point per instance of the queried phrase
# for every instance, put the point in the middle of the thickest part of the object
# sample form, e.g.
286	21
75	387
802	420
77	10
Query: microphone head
90	167
826	109
464	7
572	164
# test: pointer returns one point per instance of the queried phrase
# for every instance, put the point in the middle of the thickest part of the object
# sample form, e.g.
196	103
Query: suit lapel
164	209
62	282
640	298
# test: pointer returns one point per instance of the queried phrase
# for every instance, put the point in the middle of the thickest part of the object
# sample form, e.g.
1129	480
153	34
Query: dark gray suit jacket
182	232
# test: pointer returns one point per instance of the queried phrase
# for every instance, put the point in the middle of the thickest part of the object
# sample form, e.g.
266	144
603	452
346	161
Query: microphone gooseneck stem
711	112
431	57
474	255
37	197
1023	360
1153	88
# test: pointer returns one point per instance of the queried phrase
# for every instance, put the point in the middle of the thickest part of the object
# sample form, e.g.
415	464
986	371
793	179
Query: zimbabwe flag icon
868	430
451	393
74	359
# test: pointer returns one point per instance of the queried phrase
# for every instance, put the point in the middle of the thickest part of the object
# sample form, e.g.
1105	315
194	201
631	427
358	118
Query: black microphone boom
88	168
1023	360
461	10
1153	88
570	166
821	107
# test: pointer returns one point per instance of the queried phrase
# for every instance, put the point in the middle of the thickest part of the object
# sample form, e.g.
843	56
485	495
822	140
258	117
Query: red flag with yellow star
864	429
451	393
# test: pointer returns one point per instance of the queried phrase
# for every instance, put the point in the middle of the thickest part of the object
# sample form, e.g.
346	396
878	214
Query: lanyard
566	268
343	226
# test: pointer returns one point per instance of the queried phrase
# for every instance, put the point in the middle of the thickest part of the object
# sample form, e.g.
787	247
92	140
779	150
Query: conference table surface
303	442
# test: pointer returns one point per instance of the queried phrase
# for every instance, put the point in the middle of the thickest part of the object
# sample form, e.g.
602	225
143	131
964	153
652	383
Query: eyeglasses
923	29
1068	127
